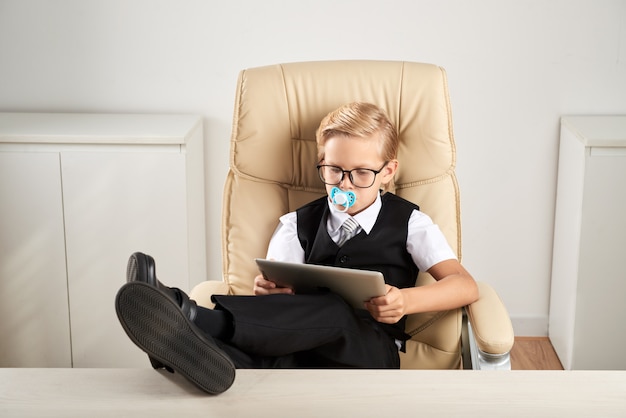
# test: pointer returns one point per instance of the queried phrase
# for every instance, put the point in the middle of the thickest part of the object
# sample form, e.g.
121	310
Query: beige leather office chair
272	171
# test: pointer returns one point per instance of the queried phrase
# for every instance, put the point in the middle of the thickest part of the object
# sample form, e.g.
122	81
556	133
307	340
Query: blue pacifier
341	198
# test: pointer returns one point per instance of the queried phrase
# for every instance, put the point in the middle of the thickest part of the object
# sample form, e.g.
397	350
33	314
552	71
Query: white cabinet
78	194
587	309
34	315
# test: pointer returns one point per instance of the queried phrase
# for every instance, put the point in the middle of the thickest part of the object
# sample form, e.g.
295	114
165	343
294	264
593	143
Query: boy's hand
389	308
266	287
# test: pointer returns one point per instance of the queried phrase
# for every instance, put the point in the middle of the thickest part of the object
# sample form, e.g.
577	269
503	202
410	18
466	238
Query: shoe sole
132	268
160	328
139	265
141	268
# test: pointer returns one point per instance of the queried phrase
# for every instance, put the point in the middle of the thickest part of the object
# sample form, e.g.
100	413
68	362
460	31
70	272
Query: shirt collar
366	218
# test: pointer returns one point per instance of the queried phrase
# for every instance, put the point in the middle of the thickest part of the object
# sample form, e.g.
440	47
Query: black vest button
344	259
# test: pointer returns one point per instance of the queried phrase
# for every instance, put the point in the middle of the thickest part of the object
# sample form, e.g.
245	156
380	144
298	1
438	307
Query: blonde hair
359	119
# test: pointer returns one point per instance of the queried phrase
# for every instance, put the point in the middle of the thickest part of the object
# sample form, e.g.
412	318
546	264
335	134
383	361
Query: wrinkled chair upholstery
272	171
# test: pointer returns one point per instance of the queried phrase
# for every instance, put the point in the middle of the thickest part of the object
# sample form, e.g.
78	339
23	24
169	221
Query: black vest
383	249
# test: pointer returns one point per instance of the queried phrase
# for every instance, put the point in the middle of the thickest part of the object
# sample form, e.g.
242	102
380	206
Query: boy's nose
345	182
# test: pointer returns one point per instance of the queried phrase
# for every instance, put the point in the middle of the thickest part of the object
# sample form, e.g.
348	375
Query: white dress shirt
425	241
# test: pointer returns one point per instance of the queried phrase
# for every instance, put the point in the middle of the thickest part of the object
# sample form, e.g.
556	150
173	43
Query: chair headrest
279	109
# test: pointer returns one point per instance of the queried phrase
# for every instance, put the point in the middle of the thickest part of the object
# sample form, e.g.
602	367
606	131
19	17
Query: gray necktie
348	230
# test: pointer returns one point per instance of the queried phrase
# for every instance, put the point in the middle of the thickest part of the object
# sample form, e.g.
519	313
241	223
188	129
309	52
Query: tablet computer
355	286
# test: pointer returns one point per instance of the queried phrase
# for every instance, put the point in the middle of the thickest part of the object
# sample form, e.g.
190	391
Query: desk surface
314	393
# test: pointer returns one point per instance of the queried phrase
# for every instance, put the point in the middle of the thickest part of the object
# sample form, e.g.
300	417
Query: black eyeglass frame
349	172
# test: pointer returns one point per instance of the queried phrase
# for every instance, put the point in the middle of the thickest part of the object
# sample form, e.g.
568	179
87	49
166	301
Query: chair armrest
202	292
490	322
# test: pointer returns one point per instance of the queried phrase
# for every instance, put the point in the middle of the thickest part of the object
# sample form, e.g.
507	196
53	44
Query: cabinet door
117	203
34	318
600	311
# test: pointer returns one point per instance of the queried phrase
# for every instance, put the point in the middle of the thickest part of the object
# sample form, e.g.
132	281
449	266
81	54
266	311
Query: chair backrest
273	157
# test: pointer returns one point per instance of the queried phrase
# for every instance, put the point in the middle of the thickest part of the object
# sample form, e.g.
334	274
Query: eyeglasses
360	177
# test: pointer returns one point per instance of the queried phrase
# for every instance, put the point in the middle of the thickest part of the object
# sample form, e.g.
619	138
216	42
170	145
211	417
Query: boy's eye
334	170
362	172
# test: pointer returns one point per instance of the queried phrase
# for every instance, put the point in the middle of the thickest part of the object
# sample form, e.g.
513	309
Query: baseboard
530	326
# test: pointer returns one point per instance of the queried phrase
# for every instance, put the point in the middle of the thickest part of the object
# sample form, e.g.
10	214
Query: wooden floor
534	353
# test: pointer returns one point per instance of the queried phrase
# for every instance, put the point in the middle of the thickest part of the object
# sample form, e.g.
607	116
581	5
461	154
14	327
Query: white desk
314	393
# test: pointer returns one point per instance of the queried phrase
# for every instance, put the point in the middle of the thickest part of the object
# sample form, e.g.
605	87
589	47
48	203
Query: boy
357	149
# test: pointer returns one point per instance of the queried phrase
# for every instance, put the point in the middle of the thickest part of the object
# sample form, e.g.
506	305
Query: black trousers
301	331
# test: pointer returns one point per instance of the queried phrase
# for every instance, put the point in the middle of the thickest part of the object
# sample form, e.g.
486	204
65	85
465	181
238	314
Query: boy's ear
389	171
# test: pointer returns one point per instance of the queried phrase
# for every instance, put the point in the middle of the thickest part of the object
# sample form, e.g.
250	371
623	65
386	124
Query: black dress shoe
142	268
157	325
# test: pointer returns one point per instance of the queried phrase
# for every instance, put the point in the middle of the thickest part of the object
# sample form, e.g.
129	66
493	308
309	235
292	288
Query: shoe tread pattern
159	327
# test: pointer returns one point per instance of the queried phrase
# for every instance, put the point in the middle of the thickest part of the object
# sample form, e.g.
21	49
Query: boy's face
350	153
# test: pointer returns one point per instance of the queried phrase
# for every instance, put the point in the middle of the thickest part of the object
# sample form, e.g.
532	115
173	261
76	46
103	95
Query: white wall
514	68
